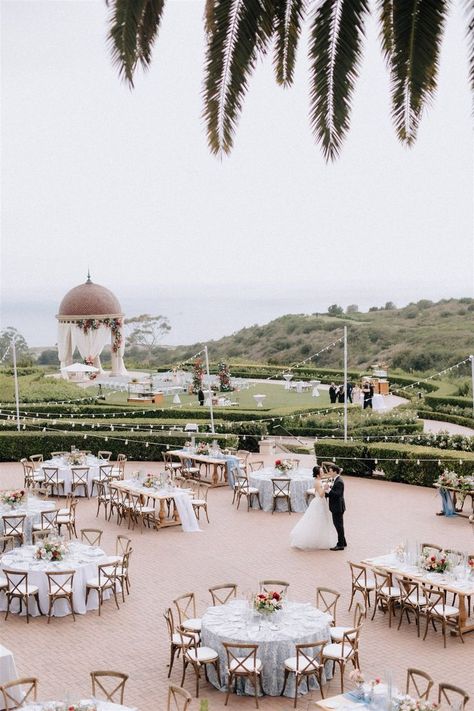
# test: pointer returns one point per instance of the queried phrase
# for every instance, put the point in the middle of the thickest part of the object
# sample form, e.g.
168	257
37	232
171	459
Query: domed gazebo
89	318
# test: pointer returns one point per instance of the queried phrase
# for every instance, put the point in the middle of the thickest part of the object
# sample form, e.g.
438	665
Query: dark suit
337	507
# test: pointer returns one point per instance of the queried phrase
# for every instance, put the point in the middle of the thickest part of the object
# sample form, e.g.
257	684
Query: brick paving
243	547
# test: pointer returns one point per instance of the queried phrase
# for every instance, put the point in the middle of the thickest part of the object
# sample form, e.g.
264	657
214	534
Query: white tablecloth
7	669
32	507
100	705
297	623
181	498
301	481
65	471
82	558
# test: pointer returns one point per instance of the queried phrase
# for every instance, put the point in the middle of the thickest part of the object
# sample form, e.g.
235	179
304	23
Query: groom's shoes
337	548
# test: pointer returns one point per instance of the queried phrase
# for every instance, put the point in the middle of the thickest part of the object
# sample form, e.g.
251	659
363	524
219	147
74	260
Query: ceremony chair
186	608
19	588
198	657
60	586
411	600
200	492
49	521
307	663
281	492
361	582
279	586
178	699
436	610
341	653
80	479
240	667
52	481
326	601
14	527
67	505
421	681
110	683
454	696
244	489
92	536
104	454
18	692
386	595
337	633
68	519
223	593
106	580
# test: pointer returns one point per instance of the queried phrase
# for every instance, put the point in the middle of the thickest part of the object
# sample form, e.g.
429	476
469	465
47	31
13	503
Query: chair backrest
189	640
294	462
38	536
186	607
242	483
428	547
435	598
7	542
454	696
104	454
410	590
122	544
360	612
110	683
382	579
359	575
121	457
60	582
279	586
105	471
92	536
107	573
178	698
242	658
256	466
200	489
14	525
308	656
281	487
80	475
51	475
37	458
326	601
421	681
58	454
49	519
169	619
28	472
17	581
456	557
350	640
223	593
17	692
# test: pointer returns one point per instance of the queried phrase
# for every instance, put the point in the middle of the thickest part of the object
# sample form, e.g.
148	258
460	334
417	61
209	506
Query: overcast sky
96	175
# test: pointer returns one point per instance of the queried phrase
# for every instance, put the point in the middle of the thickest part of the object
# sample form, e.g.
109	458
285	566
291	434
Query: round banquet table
65	471
63	705
276	636
33	508
301	481
82	558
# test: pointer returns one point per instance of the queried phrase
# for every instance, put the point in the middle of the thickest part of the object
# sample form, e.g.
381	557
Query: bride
315	529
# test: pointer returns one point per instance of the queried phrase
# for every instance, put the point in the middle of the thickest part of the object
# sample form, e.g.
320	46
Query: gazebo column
117	364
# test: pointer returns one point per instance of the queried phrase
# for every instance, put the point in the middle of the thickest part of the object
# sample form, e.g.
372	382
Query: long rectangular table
463	589
183	512
218	465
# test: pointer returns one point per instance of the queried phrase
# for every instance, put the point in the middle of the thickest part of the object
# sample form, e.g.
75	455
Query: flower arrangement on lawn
12	498
53	548
408	703
267	602
283	465
434	562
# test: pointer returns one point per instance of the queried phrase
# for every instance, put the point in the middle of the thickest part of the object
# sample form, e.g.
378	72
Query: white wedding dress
316	529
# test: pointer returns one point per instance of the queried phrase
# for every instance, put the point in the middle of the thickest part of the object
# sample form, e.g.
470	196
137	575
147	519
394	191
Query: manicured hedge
14	446
369	457
446	417
434	401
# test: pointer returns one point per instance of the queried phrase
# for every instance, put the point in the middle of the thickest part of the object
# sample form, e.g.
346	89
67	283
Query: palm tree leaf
417	32
386	27
239	30
470	38
335	50
289	16
148	30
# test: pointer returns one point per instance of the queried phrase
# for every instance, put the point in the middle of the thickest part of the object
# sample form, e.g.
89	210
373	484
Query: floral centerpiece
53	548
268	602
66	706
358	678
434	562
448	478
151	482
75	458
400	551
408	703
12	498
283	465
202	448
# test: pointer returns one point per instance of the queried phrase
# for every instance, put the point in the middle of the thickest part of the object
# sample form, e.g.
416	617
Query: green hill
419	337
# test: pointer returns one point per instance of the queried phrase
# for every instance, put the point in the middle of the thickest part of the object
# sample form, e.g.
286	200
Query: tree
147	331
48	357
335	310
390	306
352	309
239	32
23	355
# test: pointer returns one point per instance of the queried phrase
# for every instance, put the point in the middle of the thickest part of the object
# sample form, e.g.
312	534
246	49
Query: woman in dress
315	530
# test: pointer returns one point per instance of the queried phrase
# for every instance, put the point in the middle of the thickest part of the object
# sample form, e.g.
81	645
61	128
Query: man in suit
337	506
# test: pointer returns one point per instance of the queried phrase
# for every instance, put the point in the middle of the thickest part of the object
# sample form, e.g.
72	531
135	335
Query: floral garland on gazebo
198	375
224	378
115	325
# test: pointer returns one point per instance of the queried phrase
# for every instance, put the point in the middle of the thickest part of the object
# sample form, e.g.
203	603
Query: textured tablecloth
65	471
297	623
54	705
7	670
33	508
301	481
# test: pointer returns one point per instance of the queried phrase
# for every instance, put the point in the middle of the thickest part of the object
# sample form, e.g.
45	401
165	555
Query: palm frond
289	16
209	16
240	29
385	8
134	26
335	51
470	38
417	32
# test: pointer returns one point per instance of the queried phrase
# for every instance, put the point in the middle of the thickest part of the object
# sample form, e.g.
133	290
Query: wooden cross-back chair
421	681
92	536
110	683
223	593
279	586
452	695
14	527
242	662
326	601
307	663
60	584
281	492
178	698
16	693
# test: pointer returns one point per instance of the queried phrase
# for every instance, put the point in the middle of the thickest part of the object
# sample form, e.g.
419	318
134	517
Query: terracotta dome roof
89	299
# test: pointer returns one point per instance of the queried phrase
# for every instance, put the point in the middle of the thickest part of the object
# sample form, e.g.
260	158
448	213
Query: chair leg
229	688
284	683
255	681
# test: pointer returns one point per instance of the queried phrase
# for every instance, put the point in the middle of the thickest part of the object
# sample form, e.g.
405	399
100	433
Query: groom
337	506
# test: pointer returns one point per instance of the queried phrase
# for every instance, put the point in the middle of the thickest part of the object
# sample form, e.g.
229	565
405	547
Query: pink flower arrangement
268	602
434	562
